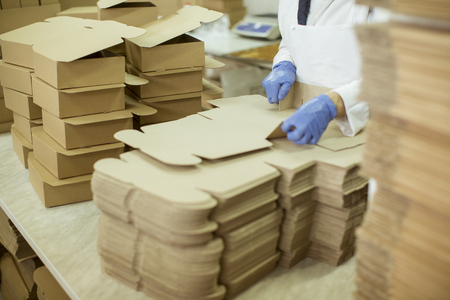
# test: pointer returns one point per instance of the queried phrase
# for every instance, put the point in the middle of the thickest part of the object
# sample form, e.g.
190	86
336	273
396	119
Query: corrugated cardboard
28	3
70	163
9	4
179	52
6	115
18	17
84	12
22	104
21	146
78	101
48	285
167	7
133	13
16	77
54	192
24	125
163	33
165	83
95	129
172	107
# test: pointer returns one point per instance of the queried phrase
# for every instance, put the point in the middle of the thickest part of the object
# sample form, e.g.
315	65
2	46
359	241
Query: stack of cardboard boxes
172	62
6	115
235	9
18	13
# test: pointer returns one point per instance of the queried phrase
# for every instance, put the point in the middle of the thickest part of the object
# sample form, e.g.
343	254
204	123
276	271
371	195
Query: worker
319	47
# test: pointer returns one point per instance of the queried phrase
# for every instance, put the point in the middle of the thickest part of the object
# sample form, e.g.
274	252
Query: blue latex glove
278	83
310	120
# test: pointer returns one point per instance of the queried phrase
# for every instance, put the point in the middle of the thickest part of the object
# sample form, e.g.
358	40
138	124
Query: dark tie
303	11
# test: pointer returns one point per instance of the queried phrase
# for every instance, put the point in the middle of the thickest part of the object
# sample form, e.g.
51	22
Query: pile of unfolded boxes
78	87
172	62
235	9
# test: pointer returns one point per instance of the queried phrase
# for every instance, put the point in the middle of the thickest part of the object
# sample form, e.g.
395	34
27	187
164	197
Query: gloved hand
310	120
278	83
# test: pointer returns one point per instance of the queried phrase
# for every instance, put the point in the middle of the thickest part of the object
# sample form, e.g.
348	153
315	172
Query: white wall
257	7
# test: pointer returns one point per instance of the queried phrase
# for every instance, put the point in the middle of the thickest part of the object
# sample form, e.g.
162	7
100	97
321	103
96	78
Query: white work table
65	240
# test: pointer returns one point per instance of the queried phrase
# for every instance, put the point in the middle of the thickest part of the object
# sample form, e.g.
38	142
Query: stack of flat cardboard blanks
172	62
79	88
17	277
240	208
13	241
47	286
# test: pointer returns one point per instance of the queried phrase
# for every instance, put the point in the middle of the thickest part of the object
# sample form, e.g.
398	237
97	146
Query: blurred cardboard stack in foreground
403	248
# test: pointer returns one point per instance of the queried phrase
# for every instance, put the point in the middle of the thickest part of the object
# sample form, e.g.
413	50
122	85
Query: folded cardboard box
22	147
22	104
24	125
133	13
165	83
164	46
95	129
54	192
84	12
10	4
222	5
78	101
16	77
29	3
167	7
70	163
171	108
6	115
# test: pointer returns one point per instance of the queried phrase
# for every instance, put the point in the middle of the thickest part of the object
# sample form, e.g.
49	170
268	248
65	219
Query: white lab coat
326	52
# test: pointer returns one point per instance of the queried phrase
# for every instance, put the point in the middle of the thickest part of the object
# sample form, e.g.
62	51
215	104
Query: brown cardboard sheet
78	101
24	125
300	93
69	163
54	192
10	4
6	115
133	13
22	104
94	129
16	77
21	146
166	29
167	7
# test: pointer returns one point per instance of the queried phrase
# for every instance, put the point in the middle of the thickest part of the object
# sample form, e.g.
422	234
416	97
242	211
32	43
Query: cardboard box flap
132	107
134	80
170	26
111	3
167	98
83	89
211	89
93	37
173	71
20	137
212	63
50	179
155	185
39	133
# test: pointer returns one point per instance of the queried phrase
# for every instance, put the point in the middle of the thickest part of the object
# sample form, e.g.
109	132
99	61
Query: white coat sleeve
357	112
283	54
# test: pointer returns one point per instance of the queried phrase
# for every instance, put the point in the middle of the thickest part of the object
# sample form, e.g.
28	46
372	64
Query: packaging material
133	13
16	77
17	278
78	101
5	127
48	285
164	46
22	147
12	19
6	115
84	12
28	3
170	82
170	108
9	4
24	125
222	5
22	104
13	241
54	192
167	7
64	163
95	129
